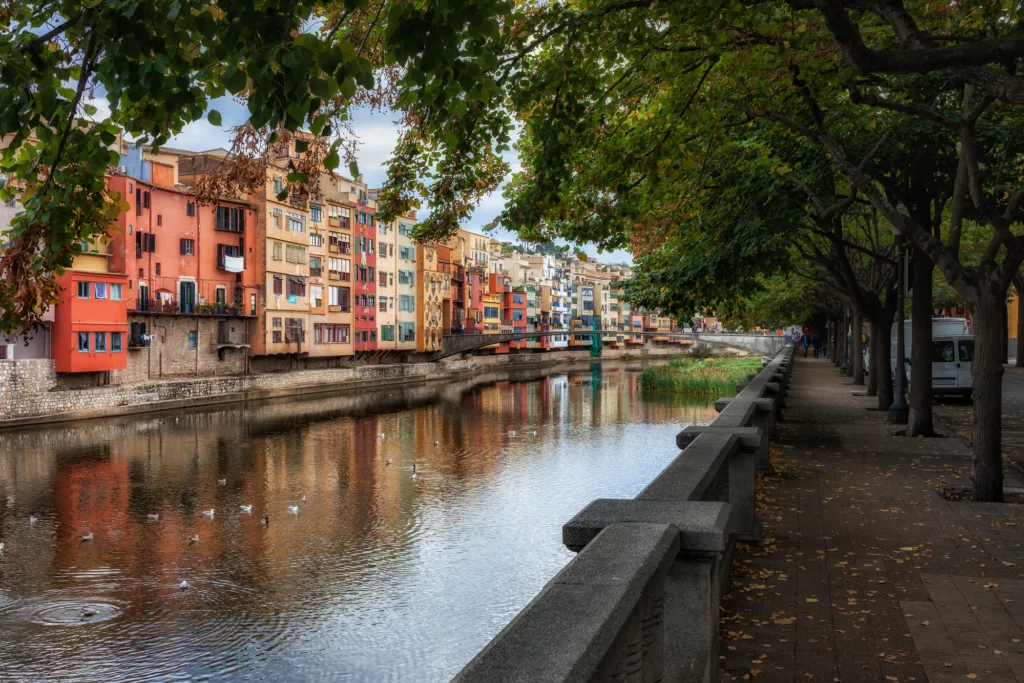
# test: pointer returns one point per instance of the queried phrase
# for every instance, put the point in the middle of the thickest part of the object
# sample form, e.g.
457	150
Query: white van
952	356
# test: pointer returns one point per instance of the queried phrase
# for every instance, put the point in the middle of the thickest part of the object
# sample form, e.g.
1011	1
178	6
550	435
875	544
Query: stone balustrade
640	600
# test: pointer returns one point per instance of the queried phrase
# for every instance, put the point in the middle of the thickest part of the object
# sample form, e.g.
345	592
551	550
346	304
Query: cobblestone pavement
866	573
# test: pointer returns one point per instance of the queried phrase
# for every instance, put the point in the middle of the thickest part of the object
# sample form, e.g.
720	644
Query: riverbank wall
31	393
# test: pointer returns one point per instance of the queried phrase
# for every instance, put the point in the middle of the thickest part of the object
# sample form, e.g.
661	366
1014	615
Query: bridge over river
765	345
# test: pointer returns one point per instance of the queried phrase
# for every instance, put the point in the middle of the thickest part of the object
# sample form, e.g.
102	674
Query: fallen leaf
811	599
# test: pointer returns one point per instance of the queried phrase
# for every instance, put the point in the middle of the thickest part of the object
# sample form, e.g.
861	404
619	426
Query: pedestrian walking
816	342
804	341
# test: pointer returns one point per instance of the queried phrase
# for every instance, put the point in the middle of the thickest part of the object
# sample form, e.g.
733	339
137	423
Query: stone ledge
748	437
704	526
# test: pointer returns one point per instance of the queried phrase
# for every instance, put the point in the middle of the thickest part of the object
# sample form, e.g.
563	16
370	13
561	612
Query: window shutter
181	246
145	199
152	237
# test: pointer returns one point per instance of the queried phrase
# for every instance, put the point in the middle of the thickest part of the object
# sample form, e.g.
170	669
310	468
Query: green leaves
214	117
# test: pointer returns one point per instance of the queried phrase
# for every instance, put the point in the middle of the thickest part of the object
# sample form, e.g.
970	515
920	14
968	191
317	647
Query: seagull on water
88	612
184	585
246	508
381	435
511	432
533	433
222	482
1	548
303	499
294	509
87	537
265	519
208	513
437	443
33	519
153	516
194	539
387	463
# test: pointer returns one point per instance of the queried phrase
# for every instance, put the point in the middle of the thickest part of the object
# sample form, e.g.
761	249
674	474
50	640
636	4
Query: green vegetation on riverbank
685	374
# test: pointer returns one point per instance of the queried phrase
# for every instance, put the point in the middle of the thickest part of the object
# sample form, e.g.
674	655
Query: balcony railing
171	306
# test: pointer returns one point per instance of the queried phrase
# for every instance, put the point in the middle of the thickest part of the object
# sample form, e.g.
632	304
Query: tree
296	64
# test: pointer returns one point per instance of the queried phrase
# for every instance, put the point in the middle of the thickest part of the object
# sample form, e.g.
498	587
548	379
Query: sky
377	133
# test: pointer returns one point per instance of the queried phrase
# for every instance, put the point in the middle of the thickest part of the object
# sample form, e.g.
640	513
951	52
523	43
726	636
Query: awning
234	264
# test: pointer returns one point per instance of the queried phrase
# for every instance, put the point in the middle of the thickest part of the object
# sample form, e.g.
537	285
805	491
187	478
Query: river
365	572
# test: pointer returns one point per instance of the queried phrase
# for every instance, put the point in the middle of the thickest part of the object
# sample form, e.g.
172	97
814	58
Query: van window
966	349
942	352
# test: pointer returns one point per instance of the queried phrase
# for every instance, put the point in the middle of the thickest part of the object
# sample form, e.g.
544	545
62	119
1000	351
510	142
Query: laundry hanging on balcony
234	264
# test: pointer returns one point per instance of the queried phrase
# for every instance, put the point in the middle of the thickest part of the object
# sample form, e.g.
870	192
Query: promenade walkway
866	572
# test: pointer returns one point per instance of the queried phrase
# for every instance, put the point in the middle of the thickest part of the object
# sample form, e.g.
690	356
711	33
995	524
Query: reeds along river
378	575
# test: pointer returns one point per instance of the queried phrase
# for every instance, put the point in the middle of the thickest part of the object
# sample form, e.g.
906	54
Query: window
278	285
115	292
190	210
406	277
327	333
99	342
231	219
315	267
965	347
406	253
383	307
159	219
83	342
406	303
316	296
405	229
83	289
188	247
373	333
370	245
490	311
99	290
338	296
157	268
517	314
294	254
296	221
277	251
407	332
517	298
193	339
278	185
387	333
383	278
345	244
942	352
293	332
316	214
277	218
223	250
316	239
296	286
252	304
275	322
115	342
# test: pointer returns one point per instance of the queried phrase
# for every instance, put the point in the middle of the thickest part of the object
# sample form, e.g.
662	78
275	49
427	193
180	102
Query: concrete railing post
693	584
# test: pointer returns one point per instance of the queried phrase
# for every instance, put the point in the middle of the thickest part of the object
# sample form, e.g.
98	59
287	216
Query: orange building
90	323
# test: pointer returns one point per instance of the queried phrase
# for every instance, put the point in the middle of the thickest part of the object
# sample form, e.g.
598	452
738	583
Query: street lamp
899	411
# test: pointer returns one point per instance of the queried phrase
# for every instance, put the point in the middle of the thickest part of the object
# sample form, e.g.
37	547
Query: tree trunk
873	367
881	358
834	355
919	420
1005	321
1020	329
857	336
987	467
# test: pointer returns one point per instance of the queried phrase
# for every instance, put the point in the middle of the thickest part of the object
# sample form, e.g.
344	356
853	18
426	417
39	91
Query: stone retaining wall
30	391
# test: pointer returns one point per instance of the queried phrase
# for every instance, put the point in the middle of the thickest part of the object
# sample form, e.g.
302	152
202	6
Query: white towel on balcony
234	264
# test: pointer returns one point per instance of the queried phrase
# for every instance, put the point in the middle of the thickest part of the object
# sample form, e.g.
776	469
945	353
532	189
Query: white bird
222	482
303	499
533	433
33	519
194	539
387	462
153	515
294	509
10	499
381	435
183	585
437	443
511	432
265	519
87	537
246	508
208	513
1	548
88	612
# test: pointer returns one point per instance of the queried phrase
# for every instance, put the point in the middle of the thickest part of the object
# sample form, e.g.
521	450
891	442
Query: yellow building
431	290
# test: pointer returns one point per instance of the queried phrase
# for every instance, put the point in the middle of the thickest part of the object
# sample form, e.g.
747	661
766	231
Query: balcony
168	306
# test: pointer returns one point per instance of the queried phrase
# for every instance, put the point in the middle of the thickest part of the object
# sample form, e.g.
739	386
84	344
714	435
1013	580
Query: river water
378	575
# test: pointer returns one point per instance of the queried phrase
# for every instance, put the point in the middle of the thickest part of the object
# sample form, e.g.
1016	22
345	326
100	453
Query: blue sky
377	134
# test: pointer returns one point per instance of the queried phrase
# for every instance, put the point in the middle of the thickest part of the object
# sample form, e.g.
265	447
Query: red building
513	307
90	323
364	278
476	287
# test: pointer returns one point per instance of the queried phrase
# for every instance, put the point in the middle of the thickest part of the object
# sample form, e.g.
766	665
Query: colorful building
432	288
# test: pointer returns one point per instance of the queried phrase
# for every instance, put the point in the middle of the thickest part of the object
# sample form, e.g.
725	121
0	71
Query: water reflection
379	575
